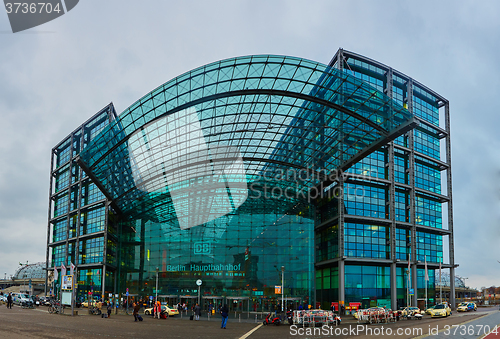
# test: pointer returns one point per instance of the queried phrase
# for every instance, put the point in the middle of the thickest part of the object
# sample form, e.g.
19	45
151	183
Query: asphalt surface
38	323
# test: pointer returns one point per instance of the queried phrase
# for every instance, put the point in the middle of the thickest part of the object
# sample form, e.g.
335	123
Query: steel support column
105	246
66	256
411	177
394	285
341	237
392	203
450	205
340	220
341	282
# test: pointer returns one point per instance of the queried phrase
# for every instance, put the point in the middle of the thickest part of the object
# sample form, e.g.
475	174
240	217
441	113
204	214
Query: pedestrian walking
157	310
9	300
109	308
224	312
136	310
197	312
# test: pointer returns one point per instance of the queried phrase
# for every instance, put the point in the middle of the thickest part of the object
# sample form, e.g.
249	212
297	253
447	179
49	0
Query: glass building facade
230	173
80	221
390	215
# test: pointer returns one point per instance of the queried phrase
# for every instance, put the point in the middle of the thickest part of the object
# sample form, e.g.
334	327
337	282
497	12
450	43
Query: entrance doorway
216	302
291	303
238	304
170	300
189	300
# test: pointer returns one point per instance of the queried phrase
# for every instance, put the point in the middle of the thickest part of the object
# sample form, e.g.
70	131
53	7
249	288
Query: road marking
444	329
487	334
246	335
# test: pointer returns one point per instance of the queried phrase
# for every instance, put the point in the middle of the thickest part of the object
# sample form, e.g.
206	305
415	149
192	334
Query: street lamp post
465	287
282	287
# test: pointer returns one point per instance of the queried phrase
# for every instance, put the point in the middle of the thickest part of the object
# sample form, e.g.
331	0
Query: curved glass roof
445	280
31	271
203	138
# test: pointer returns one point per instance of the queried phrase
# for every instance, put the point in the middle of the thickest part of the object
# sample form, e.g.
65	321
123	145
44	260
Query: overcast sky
55	76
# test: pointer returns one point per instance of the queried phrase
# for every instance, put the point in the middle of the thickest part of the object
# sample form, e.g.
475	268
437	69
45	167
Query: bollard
256	318
208	316
239	318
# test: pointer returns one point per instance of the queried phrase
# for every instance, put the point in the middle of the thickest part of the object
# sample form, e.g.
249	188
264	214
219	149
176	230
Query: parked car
86	303
47	301
466	307
441	310
165	309
149	311
172	311
21	299
429	309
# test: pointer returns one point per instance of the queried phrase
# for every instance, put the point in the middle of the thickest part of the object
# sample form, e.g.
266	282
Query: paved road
472	329
24	323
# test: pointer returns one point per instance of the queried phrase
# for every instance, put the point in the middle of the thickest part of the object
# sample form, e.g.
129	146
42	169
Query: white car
165	309
21	299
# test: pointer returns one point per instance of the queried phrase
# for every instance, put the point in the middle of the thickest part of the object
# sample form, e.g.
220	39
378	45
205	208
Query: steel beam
449	183
247	92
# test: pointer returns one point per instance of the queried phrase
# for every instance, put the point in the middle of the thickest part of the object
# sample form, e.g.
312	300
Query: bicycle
26	304
56	308
94	310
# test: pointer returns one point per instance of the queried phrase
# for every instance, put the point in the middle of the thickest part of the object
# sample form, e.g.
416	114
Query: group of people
224	311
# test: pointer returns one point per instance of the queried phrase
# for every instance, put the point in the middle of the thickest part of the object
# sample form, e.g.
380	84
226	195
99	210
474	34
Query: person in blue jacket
224	312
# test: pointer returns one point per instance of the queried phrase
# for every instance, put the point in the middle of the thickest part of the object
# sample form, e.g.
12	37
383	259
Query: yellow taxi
441	310
86	303
165	309
428	310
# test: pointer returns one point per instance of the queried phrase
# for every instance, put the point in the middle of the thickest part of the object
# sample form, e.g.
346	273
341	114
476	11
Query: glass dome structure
445	280
271	113
30	271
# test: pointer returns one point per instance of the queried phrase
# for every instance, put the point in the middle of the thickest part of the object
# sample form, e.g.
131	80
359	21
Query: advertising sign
277	289
66	297
67	282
